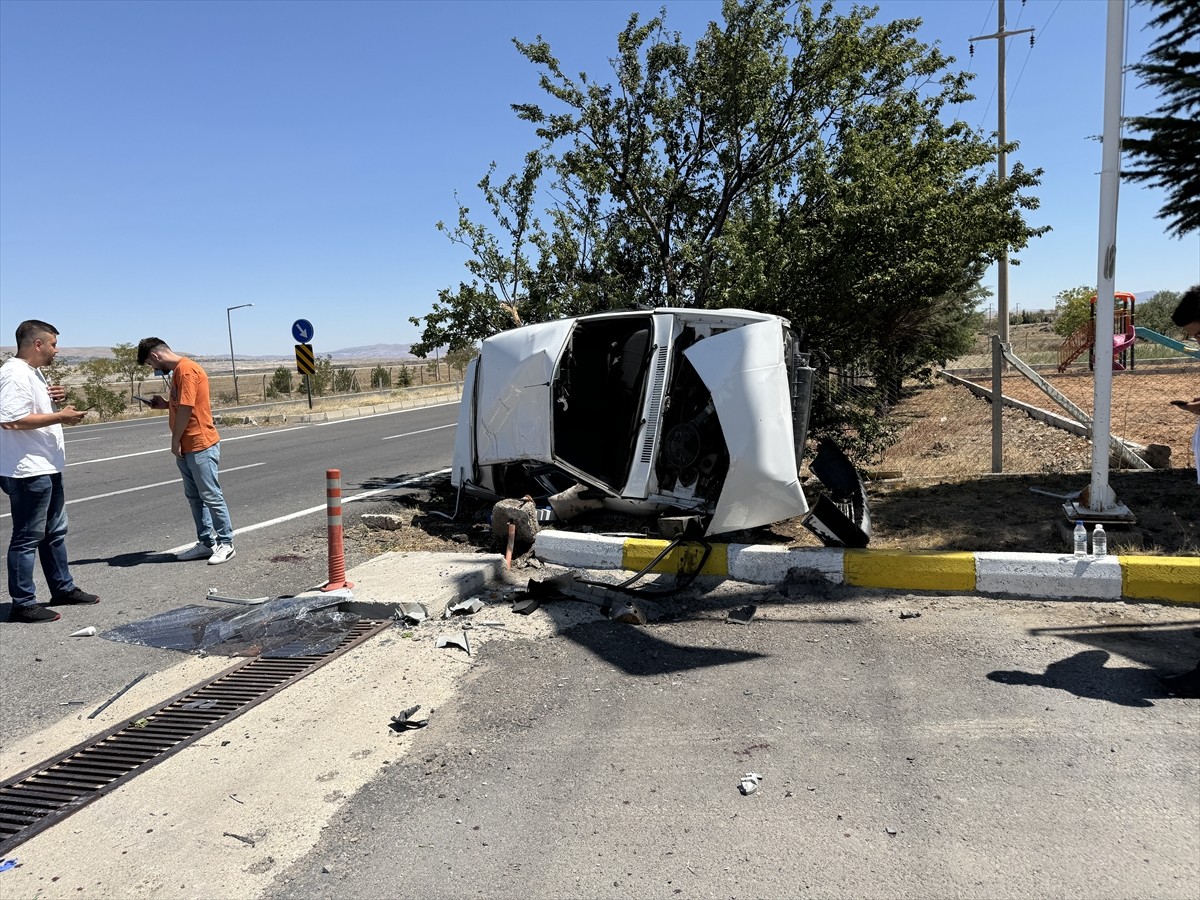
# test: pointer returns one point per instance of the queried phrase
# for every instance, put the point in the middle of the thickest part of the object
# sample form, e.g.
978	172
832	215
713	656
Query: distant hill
71	356
67	355
375	351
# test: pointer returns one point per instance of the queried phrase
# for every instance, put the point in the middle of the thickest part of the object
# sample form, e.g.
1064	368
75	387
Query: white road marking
242	437
322	508
422	431
142	487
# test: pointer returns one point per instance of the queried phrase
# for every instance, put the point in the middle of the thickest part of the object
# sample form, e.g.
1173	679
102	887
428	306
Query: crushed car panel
700	412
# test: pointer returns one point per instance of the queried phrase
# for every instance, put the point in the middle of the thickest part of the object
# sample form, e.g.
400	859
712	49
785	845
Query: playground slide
1147	334
1121	343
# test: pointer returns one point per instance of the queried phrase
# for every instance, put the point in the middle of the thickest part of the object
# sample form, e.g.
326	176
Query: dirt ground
994	512
947	430
1141	403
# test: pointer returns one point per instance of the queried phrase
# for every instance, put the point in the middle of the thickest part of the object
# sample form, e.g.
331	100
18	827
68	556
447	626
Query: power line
1013	92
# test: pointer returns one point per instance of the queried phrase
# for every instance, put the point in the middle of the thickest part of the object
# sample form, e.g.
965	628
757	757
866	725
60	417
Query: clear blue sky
160	162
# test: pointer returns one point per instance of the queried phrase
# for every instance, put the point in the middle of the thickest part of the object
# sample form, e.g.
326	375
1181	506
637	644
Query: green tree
793	161
404	377
125	357
345	381
381	378
1165	155
1072	308
458	358
281	381
1155	313
98	373
320	381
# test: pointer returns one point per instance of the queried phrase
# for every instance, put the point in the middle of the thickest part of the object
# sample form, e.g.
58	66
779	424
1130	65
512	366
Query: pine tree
1168	155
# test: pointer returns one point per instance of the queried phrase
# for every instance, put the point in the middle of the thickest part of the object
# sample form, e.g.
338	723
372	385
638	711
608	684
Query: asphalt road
126	509
987	749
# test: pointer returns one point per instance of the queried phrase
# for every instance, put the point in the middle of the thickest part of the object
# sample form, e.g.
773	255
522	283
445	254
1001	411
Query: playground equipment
1084	337
1148	335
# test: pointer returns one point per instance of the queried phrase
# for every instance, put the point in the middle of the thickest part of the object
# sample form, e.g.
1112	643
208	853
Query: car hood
746	374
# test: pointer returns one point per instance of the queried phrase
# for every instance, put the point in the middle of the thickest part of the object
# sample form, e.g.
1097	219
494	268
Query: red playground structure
1084	337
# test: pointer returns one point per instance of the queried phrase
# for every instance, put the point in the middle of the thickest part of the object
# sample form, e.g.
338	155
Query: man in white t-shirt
32	459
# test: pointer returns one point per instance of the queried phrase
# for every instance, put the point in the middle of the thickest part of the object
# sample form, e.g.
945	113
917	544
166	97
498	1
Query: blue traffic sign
302	331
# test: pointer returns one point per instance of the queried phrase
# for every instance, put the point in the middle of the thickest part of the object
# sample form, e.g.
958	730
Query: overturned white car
699	412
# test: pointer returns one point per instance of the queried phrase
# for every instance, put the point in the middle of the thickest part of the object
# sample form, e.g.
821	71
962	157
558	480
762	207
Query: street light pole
232	361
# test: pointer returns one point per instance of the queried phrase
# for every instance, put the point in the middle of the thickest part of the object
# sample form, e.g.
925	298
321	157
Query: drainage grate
49	792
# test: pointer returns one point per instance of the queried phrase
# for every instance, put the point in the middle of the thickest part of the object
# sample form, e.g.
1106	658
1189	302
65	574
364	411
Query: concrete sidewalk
1164	579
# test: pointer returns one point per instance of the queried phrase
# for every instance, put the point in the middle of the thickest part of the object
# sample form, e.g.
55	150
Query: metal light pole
232	362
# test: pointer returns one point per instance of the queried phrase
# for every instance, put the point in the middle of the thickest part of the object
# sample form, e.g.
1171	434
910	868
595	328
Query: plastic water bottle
1080	539
1099	542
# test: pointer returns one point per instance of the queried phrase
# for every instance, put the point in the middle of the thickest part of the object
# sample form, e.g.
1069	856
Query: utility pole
1000	37
1002	162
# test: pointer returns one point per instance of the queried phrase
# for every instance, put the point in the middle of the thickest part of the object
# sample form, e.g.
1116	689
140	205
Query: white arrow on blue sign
302	331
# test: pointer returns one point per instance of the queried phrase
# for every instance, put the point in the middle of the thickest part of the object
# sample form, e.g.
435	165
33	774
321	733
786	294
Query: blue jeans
39	529
203	491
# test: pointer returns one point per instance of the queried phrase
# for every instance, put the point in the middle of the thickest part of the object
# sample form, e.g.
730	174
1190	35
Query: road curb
1161	579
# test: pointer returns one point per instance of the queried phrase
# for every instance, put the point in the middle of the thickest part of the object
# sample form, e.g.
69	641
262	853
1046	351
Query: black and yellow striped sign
305	362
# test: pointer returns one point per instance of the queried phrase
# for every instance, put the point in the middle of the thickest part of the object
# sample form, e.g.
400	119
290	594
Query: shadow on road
635	652
1086	676
129	560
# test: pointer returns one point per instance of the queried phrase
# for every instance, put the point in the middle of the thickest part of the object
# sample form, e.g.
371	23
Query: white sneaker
221	553
196	551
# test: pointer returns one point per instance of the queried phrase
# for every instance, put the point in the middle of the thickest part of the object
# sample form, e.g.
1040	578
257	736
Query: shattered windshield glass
282	628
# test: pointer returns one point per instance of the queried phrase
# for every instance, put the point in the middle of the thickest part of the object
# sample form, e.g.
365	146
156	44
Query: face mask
162	372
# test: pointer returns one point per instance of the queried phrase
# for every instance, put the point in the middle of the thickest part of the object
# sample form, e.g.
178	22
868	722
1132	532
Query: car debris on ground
742	615
749	783
407	719
460	640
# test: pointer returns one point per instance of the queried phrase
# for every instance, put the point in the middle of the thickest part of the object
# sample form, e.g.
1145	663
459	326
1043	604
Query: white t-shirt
1196	451
27	452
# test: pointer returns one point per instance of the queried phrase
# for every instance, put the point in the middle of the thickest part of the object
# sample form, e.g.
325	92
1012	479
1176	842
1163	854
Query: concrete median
1161	579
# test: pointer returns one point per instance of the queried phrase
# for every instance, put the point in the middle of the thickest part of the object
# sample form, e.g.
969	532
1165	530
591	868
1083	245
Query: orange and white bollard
333	507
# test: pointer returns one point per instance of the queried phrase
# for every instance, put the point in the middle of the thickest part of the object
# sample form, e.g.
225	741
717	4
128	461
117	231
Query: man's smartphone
1182	404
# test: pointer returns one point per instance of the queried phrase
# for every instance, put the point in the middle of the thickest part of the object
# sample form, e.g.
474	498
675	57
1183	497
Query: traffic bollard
333	506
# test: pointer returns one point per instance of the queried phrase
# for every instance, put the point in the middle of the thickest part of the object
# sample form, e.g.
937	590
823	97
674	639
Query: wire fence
943	427
256	386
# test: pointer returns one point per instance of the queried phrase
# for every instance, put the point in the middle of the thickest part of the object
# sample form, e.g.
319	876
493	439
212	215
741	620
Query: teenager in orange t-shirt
196	447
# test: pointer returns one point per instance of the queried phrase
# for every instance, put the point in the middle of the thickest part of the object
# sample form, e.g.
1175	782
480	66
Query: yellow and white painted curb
1164	579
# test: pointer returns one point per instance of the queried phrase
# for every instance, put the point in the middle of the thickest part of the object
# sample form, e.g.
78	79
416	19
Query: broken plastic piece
413	612
743	615
242	601
842	518
406	719
455	640
89	631
749	783
526	605
463	607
